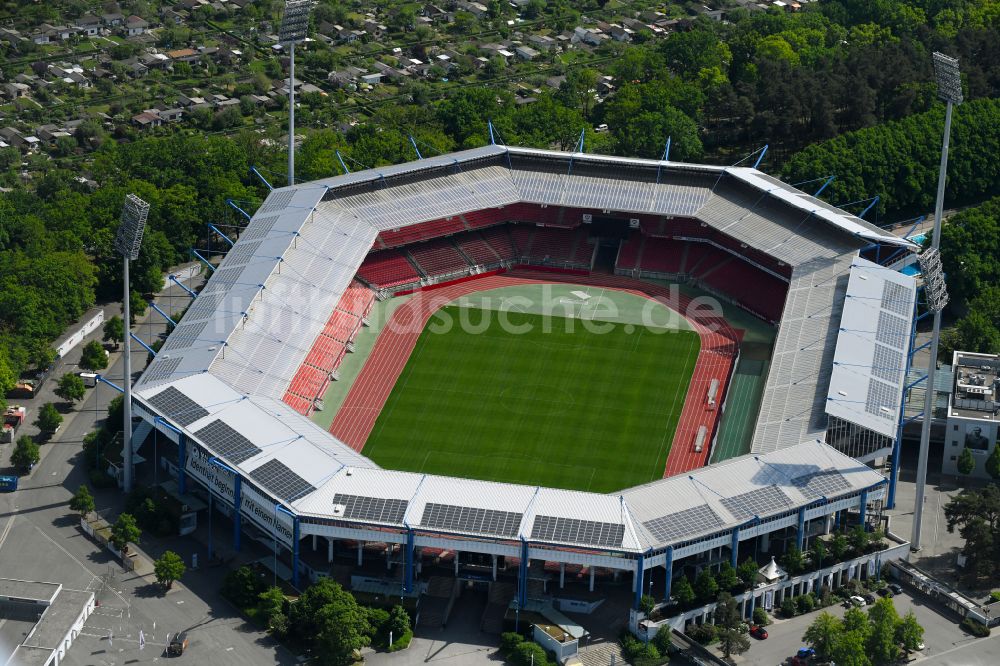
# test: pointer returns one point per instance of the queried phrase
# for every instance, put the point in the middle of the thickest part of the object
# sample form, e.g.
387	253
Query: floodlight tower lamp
293	29
949	84
128	240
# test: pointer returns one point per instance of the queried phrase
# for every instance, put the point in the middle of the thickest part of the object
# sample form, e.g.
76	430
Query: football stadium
555	377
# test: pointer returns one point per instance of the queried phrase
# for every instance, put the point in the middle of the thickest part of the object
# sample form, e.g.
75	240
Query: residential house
542	42
89	25
477	9
11	36
135	68
526	52
136	26
372	79
147	119
374	28
77	79
436	14
391	72
555	82
590	36
183	55
345	76
155	60
114	20
620	34
16	90
171	115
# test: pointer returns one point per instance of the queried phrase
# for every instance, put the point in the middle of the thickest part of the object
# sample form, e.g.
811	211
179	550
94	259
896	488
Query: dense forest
850	77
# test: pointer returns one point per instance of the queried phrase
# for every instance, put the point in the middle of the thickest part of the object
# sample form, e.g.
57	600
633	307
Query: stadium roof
238	346
866	386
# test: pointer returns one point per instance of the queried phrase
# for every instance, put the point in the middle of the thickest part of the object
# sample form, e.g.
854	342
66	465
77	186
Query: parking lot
941	634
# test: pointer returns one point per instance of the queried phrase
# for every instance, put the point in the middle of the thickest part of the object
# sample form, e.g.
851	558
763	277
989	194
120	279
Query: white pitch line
6	530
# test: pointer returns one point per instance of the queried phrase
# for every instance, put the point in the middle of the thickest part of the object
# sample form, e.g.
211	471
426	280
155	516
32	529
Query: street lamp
127	243
949	83
294	24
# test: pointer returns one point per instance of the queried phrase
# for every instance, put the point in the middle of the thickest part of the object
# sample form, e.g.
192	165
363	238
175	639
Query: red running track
719	348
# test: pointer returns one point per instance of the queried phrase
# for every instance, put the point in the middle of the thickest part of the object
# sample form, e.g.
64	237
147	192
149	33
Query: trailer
8	484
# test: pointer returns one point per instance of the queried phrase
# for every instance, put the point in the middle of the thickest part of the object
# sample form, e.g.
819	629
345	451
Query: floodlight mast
127	243
949	82
294	25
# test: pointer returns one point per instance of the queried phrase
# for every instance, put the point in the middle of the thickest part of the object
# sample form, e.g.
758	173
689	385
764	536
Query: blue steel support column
668	566
237	503
408	570
181	452
295	552
522	576
897	446
638	581
800	532
734	546
862	508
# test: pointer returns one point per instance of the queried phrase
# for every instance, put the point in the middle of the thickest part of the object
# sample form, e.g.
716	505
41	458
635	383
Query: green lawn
559	405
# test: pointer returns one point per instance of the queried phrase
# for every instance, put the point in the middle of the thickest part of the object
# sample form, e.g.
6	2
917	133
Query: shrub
528	653
663	639
702	633
402	642
101	479
509	640
789	608
760	617
805	603
646	604
630	646
995	595
975	628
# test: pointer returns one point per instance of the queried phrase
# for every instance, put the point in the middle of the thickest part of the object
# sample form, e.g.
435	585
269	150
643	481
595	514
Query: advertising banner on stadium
255	507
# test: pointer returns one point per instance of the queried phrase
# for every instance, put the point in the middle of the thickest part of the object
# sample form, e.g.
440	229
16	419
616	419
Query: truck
13	418
8	484
89	379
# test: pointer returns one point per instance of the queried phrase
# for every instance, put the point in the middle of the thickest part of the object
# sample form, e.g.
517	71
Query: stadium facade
219	386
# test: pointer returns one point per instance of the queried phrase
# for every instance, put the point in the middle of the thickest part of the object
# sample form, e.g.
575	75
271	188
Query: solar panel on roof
277	201
471	519
242	253
821	484
881	399
696	520
185	335
280	481
260	227
896	298
203	306
177	407
376	509
892	330
759	502
887	364
161	368
226	442
572	530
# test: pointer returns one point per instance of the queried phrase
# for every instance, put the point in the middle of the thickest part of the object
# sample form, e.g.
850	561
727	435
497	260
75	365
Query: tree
114	331
727	621
793	561
976	514
71	388
760	616
856	620
683	592
727	578
838	546
705	586
124	531
646	604
883	620
993	463
344	630
822	634
858	539
399	622
817	553
168	568
909	633
25	454
83	501
528	653
747	572
93	357
966	463
849	649
242	586
271	609
663	639
49	419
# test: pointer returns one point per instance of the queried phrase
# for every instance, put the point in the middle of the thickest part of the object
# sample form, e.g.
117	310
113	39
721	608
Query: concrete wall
955	440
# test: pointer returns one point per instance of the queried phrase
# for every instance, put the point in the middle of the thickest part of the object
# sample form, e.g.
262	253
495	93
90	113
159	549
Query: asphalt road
41	540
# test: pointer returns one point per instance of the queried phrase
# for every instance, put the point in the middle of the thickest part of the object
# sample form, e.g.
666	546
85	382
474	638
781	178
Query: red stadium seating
357	299
499	240
695	253
485	218
630	252
521	235
423	231
477	249
387	268
662	255
756	290
438	258
549	215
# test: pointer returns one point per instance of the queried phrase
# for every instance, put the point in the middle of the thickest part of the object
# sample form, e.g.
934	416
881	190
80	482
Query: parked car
868	597
857	601
805	653
921	647
178	644
896	589
760	633
884	592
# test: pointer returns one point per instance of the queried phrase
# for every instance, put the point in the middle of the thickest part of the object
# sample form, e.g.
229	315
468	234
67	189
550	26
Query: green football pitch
535	399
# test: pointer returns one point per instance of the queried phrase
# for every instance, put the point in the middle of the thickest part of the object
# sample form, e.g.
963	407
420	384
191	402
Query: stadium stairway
601	653
500	595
